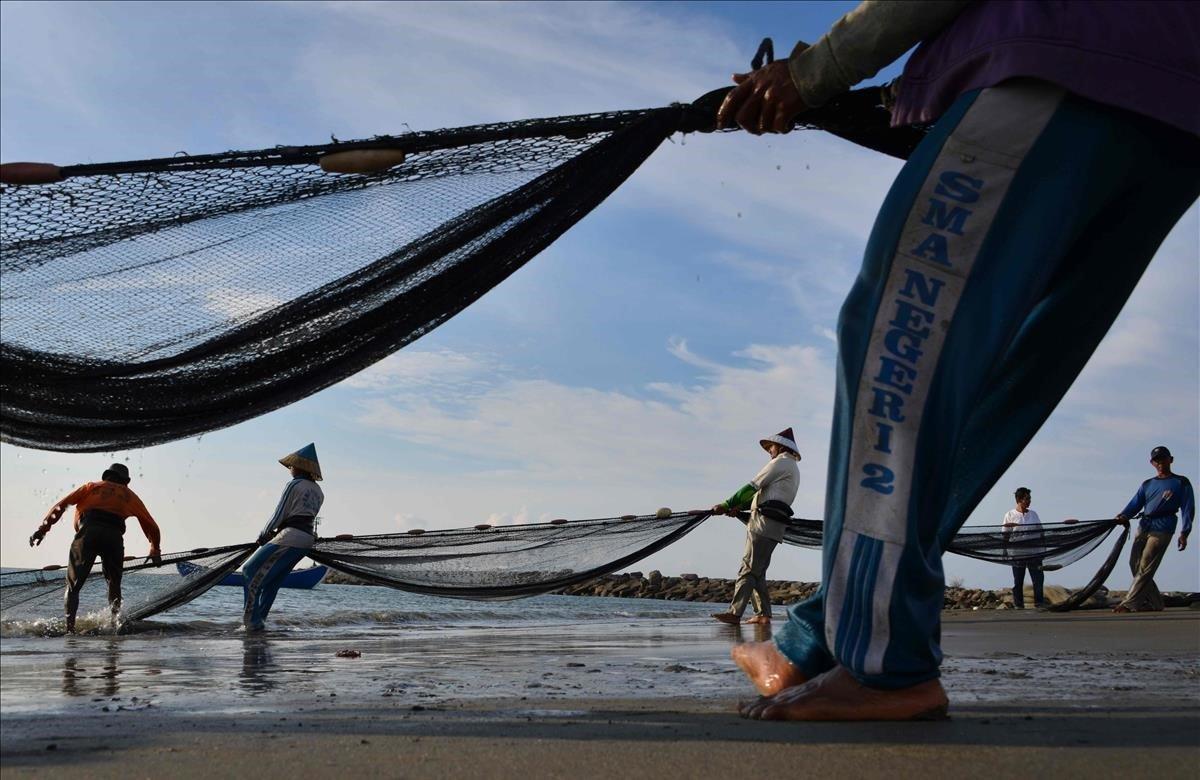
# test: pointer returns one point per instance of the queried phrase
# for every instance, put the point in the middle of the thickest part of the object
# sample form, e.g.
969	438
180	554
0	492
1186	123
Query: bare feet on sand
1121	609
759	620
837	696
727	618
767	668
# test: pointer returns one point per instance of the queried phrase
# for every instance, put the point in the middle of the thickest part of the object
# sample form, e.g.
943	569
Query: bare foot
767	668
837	696
1121	609
727	618
758	620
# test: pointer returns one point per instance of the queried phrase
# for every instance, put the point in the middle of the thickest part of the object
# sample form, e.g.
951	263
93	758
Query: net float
361	161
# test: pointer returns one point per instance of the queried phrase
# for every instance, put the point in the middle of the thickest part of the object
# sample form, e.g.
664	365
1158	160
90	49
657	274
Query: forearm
52	517
150	529
863	41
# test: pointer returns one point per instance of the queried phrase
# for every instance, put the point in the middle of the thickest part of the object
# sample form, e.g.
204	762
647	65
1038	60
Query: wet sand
1084	693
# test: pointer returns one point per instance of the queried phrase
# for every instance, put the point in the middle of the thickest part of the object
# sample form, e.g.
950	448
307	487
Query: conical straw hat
304	459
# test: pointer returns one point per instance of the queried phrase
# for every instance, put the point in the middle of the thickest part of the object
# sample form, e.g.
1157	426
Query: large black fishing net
504	562
150	300
495	562
1050	546
32	595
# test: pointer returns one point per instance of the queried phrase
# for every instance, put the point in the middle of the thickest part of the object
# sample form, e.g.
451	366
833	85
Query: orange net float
482	527
361	161
30	173
559	521
416	532
52	567
343	537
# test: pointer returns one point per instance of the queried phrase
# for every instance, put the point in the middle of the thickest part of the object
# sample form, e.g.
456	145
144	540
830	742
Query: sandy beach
1077	694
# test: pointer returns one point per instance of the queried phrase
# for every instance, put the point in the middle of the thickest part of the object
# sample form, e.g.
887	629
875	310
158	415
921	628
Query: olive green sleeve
741	499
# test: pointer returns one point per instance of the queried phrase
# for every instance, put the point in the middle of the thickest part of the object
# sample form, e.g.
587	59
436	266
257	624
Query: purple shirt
1141	56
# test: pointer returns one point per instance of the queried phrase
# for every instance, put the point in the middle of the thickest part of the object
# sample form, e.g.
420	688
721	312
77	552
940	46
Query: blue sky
632	365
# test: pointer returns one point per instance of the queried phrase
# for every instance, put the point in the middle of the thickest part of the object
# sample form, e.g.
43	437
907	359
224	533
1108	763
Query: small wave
99	623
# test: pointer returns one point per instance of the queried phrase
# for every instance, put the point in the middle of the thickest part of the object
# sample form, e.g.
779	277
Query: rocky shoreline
715	590
692	587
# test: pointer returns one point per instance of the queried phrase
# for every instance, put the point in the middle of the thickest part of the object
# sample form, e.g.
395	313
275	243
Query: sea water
366	643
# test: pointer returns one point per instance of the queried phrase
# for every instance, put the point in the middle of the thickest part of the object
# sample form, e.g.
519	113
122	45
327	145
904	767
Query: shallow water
416	649
425	652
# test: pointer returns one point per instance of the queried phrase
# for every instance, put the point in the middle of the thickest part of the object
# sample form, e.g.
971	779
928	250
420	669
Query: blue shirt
1162	498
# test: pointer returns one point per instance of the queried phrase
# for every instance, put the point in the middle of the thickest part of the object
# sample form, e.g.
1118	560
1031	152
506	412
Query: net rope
151	300
30	595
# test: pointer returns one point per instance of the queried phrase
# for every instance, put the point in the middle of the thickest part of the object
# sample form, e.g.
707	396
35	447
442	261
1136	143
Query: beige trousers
1149	547
752	576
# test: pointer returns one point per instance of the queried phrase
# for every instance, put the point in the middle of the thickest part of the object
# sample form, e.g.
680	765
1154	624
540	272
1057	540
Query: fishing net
1052	545
150	300
504	562
146	588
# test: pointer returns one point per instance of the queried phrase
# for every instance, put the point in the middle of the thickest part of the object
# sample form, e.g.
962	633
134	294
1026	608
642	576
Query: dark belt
305	523
98	517
775	510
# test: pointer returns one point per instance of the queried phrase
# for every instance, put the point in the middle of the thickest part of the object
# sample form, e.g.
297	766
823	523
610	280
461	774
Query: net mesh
31	595
150	300
504	562
1052	545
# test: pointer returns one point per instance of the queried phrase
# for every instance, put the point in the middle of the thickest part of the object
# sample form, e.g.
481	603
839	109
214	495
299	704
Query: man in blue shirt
1159	498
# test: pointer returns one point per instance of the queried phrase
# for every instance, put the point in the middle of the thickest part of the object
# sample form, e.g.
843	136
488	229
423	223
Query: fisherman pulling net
148	588
151	300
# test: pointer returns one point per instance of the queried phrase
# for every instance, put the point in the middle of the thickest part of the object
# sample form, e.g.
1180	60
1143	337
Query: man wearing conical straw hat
769	496
286	538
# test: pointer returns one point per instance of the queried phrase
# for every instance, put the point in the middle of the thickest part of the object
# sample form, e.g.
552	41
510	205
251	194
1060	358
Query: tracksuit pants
264	573
1001	256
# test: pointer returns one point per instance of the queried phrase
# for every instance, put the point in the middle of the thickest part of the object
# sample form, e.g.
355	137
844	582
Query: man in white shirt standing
1022	524
769	496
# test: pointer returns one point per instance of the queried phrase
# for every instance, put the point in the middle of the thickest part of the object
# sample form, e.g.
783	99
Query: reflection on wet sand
76	676
738	633
258	668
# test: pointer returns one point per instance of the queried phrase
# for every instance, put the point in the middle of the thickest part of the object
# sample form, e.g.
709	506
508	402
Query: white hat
784	438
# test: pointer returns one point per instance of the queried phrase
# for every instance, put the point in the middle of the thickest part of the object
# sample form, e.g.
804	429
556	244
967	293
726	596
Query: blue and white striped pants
1002	254
264	573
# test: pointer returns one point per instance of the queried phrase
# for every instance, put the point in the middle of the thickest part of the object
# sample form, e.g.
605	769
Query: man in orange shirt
100	512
